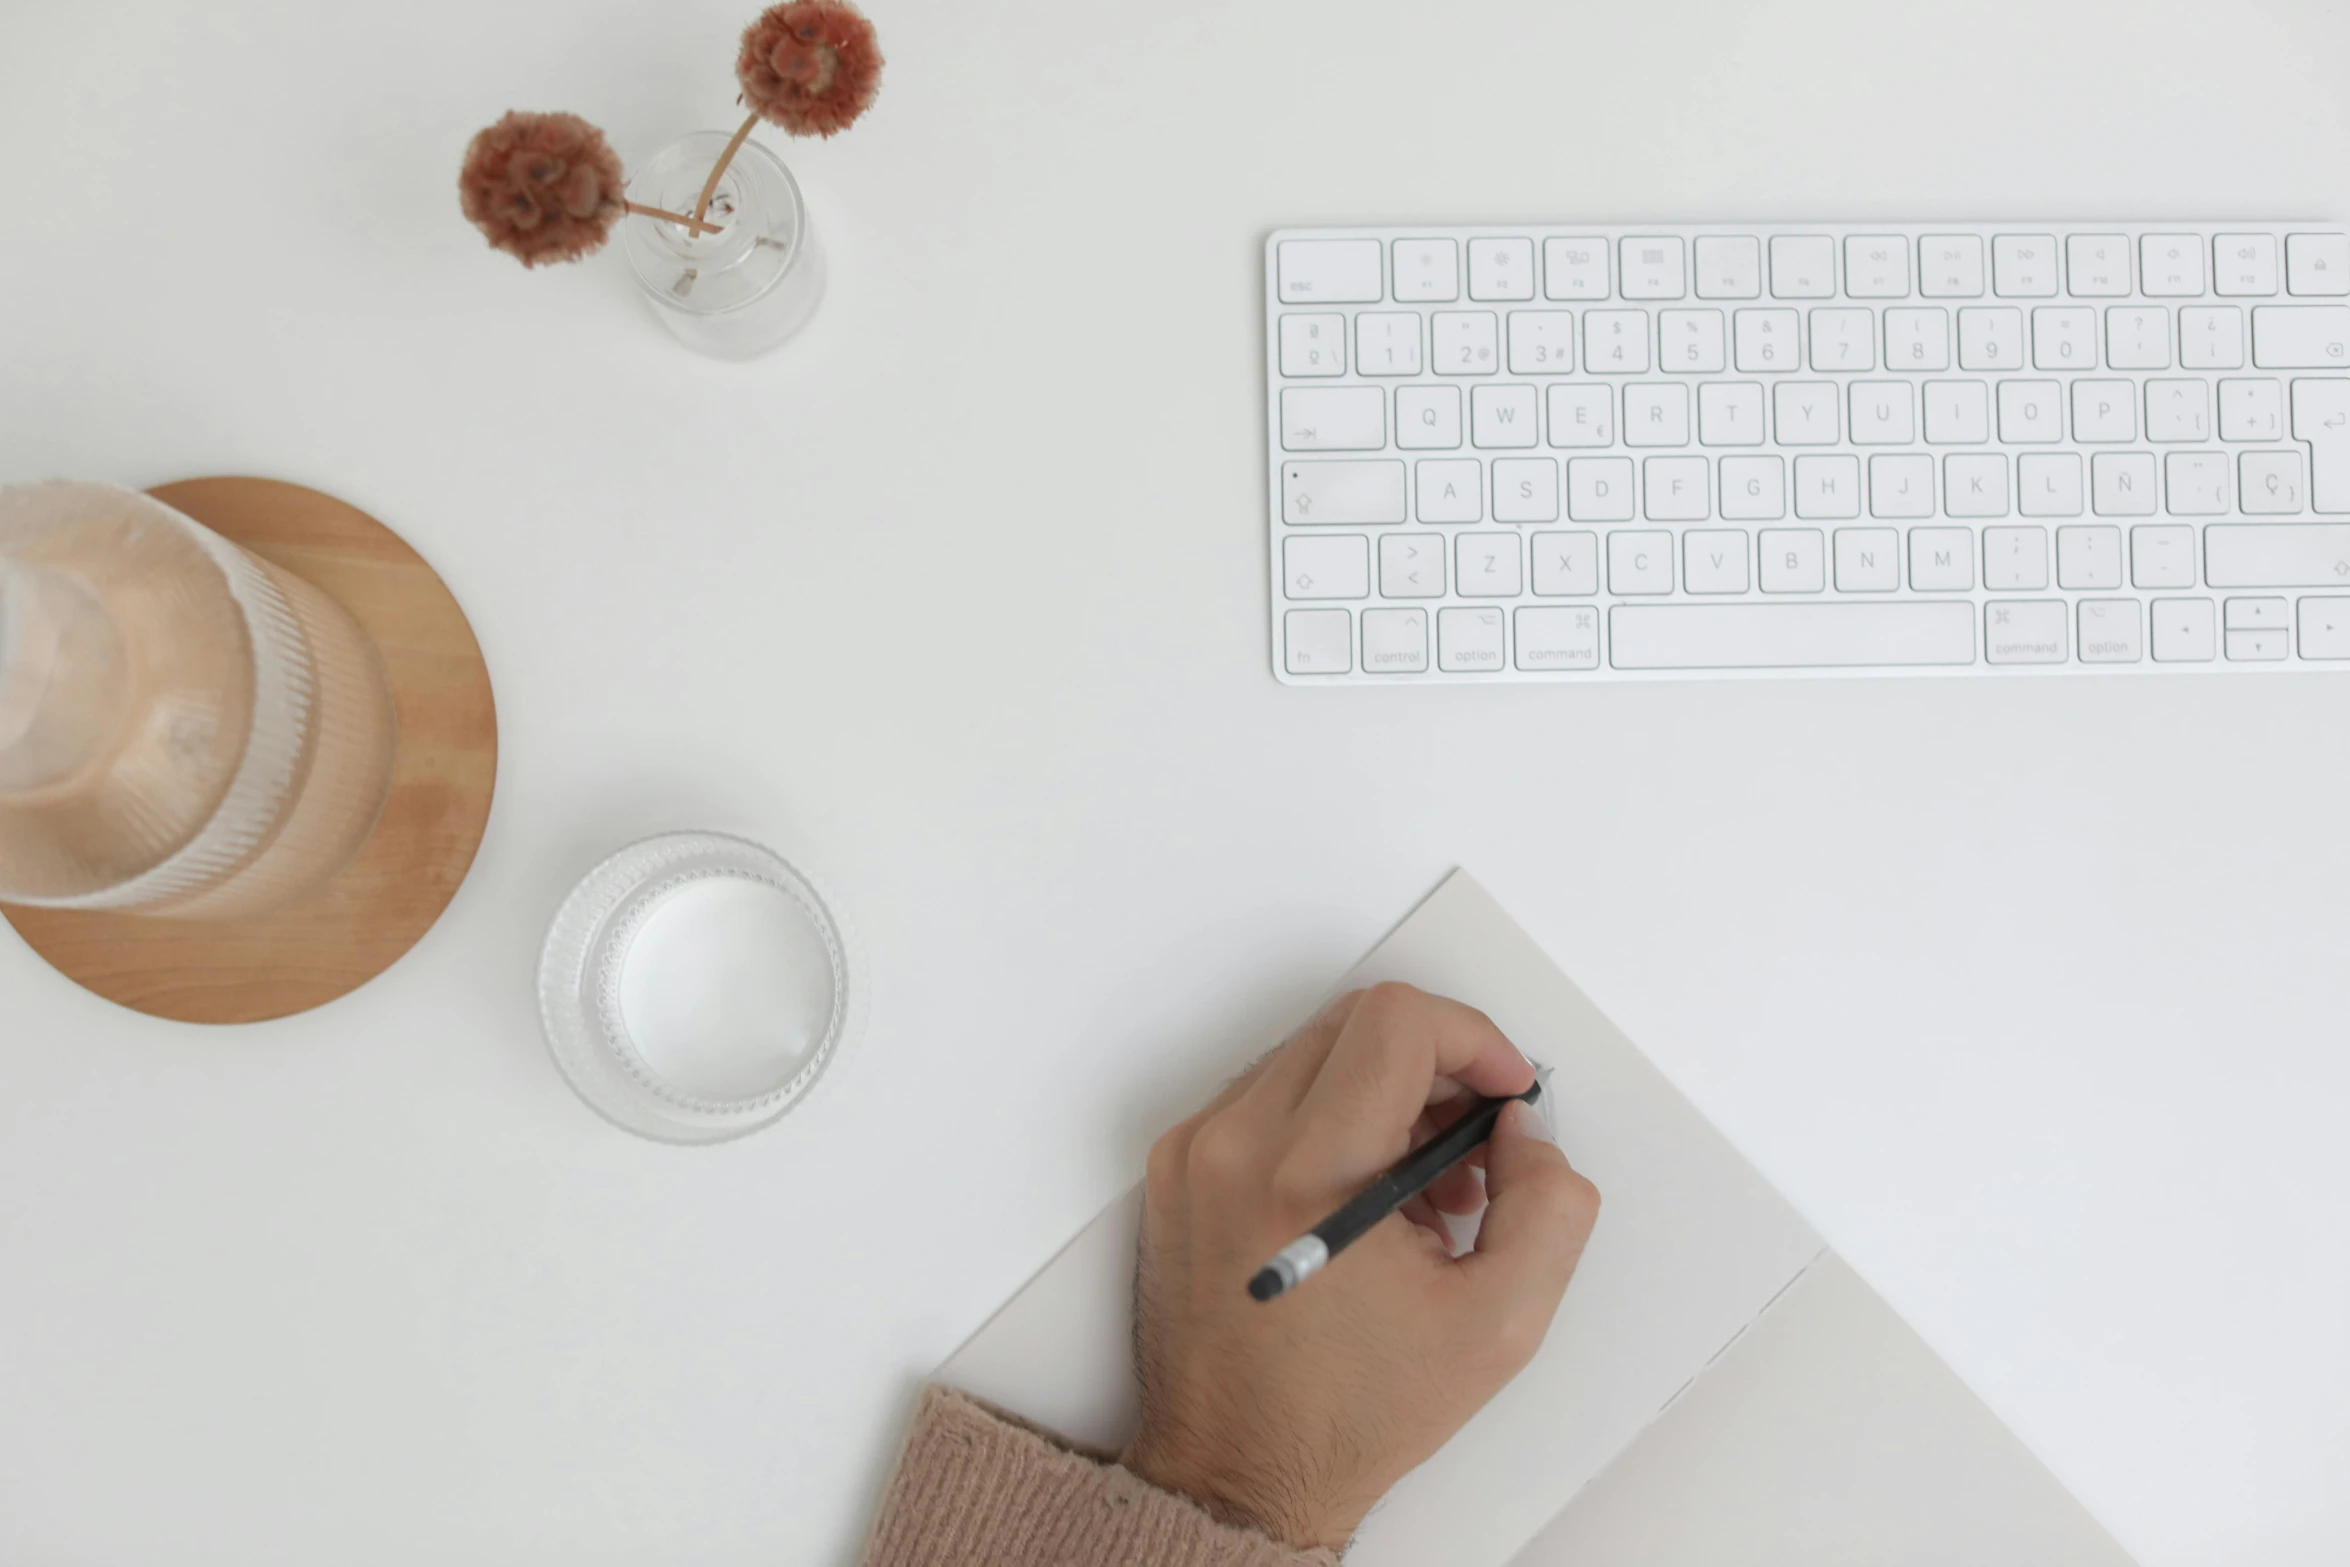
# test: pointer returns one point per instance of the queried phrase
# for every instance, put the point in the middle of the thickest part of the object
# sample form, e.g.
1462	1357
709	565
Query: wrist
1258	1499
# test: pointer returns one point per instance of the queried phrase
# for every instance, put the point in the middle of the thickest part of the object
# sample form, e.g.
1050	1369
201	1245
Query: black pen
1409	1176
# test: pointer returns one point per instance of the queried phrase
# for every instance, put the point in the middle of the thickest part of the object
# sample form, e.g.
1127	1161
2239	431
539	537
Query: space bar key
1790	636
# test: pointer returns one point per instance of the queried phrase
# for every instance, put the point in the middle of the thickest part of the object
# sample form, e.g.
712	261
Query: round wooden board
358	925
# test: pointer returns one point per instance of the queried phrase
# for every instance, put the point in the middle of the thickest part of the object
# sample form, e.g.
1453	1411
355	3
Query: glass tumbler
739	292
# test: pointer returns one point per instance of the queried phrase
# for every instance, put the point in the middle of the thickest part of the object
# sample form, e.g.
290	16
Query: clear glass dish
694	986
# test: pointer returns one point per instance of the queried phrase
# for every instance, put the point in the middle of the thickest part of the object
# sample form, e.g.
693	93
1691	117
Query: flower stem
666	216
718	170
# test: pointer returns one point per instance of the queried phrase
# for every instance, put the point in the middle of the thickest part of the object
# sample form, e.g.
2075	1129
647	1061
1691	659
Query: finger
1538	1214
1423	1213
1457	1190
1358	1114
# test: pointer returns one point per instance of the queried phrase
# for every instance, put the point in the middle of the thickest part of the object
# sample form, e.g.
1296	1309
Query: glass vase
739	292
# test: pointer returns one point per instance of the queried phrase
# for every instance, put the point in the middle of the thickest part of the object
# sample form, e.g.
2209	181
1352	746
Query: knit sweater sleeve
978	1488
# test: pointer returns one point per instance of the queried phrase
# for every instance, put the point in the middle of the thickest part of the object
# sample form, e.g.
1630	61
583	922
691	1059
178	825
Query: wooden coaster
382	903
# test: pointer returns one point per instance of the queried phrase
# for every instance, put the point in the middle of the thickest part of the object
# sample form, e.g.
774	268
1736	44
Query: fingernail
1531	1124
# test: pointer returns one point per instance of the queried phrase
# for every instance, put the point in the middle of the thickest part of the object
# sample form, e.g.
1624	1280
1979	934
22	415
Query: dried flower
543	187
809	66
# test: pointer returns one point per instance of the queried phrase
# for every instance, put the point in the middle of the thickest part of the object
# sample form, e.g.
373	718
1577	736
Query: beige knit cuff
979	1488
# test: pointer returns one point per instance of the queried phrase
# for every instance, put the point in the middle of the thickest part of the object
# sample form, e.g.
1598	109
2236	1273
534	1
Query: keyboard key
2317	264
2162	555
1729	267
1754	489
1574	268
1599	489
2185	631
2024	631
1485	566
1313	345
1395	641
2301	337
1827	486
1318	641
2255	647
1656	413
1468	640
1525	489
2321	416
2170	266
1794	560
1803	413
1713	560
1901	485
1876	266
1958	413
1427	271
2105	411
1917	339
1975	485
2110	631
1868	560
2015	560
1450	489
1880	414
1344	493
1803	266
2088	557
2031	411
2251	410
2137	337
2048	484
2325	628
2256	614
1615	342
2023	266
2178	410
1501	269
1333	419
1789	636
1843	339
2277	555
2245	266
1332	271
1649	267
1729	413
1639	561
1326	566
2097	265
2211	337
1991	337
1566	565
2195	484
1411	566
1676	488
1942	560
2270	483
1428	418
1767	340
2064	337
1950	266
1502	416
1582	416
1558	637
1387	342
2121	484
1689	342
1542	342
1463	342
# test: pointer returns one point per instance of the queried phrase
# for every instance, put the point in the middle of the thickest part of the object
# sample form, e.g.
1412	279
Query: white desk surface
2032	995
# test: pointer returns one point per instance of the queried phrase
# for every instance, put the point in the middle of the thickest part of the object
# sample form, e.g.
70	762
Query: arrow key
2325	627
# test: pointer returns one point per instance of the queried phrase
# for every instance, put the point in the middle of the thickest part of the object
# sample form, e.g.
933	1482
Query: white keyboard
1537	453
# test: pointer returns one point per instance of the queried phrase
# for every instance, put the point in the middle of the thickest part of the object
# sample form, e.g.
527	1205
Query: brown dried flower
809	66
543	187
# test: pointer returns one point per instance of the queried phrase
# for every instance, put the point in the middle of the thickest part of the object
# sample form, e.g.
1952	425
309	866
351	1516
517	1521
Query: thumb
1538	1214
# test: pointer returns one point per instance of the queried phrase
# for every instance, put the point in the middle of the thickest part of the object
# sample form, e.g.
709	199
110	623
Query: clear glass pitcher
185	729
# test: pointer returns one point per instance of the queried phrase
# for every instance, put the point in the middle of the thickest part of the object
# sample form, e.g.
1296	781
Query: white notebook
1692	1251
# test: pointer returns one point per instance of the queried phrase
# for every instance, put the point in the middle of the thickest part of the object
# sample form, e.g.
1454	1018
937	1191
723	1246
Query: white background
2031	995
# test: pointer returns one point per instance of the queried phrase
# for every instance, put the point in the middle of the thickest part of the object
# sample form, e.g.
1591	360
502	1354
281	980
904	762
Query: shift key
2277	554
1346	493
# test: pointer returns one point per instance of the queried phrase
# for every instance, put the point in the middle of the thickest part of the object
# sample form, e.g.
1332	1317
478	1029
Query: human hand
1296	1415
